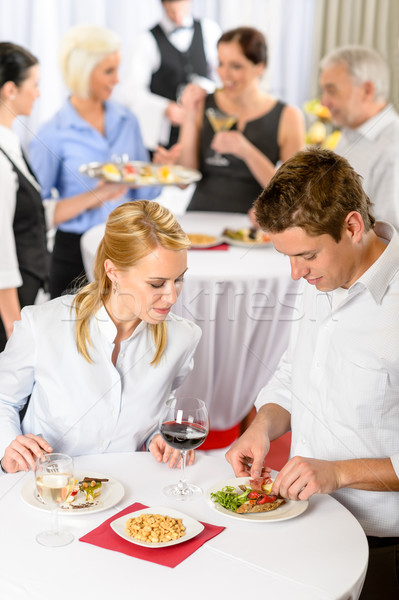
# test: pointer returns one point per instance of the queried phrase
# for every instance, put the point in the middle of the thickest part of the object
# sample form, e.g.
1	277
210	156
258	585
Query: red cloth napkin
221	246
105	537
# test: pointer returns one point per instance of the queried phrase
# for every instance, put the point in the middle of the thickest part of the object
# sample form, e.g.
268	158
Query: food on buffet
91	487
253	497
111	172
201	239
147	175
248	235
155	528
129	173
165	175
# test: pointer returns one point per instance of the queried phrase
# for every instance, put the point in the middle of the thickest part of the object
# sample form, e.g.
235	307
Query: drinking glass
54	482
184	425
219	122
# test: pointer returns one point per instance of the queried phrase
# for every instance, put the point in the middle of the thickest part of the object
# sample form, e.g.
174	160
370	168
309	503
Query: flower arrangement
321	131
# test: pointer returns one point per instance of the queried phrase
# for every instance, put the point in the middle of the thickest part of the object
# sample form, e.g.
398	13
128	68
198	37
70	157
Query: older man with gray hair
355	87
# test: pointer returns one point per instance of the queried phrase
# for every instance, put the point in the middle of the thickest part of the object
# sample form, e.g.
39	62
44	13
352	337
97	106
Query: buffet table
243	299
320	554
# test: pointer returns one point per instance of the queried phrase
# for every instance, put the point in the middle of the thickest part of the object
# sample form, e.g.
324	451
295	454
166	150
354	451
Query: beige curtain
373	23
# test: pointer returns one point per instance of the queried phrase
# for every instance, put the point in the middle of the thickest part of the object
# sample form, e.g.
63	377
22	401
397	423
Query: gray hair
363	64
82	48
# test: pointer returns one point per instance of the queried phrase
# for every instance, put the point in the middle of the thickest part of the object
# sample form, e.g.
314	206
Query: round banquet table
243	299
321	554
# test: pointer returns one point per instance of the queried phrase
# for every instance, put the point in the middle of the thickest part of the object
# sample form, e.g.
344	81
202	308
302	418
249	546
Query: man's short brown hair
315	189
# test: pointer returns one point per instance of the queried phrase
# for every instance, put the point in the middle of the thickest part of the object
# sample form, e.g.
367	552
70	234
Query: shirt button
115	412
303	441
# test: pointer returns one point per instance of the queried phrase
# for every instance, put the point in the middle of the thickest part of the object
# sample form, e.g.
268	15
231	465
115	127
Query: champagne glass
219	122
54	483
184	425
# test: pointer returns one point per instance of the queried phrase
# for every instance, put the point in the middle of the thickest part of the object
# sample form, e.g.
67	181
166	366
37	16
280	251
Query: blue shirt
67	141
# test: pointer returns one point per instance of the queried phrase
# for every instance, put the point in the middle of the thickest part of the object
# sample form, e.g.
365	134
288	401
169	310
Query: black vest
29	228
176	66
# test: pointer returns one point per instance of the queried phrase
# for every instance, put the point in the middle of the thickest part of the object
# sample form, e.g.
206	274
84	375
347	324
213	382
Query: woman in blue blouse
89	127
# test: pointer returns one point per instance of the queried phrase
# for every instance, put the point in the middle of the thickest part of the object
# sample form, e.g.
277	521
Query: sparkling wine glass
219	122
54	482
184	425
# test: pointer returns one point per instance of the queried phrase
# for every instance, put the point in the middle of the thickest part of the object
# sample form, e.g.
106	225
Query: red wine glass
184	425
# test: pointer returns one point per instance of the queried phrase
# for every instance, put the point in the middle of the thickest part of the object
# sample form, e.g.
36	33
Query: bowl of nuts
156	527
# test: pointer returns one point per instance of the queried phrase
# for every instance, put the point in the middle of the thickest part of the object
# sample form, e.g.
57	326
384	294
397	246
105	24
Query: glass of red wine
184	425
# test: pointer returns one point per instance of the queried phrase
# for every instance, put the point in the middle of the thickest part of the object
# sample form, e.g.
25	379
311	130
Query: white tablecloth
243	301
319	555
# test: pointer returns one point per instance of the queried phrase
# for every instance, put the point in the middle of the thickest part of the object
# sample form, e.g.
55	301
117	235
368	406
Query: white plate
288	510
242	244
111	493
192	526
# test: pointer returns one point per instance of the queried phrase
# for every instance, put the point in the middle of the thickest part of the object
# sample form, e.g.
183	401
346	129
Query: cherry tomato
253	495
266	499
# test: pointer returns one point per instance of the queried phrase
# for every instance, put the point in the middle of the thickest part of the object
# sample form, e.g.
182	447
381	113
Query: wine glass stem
183	483
55	525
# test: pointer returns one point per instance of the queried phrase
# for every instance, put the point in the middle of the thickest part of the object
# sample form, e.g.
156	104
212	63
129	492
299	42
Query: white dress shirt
10	276
81	407
373	151
339	379
146	60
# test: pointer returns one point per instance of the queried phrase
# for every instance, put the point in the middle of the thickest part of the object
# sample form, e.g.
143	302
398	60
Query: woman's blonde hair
82	48
132	231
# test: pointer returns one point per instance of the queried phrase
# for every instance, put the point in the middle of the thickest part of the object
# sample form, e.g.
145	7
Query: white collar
378	277
169	26
108	328
371	128
9	141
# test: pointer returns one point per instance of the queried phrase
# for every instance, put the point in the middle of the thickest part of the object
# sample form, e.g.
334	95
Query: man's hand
22	453
164	453
301	477
247	454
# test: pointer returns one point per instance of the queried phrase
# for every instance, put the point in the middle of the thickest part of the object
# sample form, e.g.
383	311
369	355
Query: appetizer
155	528
201	239
91	487
253	497
129	173
249	235
111	172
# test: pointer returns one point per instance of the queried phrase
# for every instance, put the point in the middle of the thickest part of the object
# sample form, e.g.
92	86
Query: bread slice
251	507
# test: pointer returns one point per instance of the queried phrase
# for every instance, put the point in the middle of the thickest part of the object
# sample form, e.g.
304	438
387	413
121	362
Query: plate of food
139	174
156	527
247	237
202	240
249	500
92	492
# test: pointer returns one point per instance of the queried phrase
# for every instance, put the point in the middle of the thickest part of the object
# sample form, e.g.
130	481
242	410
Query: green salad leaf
229	498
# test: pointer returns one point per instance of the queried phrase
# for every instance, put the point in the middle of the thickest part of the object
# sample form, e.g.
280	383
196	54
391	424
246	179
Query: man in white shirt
337	386
177	51
355	87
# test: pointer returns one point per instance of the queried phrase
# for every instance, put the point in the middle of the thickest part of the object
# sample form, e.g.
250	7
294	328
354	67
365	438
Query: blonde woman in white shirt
100	364
23	269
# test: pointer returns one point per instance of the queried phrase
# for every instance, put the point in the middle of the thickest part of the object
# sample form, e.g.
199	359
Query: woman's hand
163	156
22	453
107	191
193	98
164	453
230	142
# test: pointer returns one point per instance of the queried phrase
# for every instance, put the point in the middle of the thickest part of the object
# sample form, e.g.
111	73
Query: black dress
233	188
30	242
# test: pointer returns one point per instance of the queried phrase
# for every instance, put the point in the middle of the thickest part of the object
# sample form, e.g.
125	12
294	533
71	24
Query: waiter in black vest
178	50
